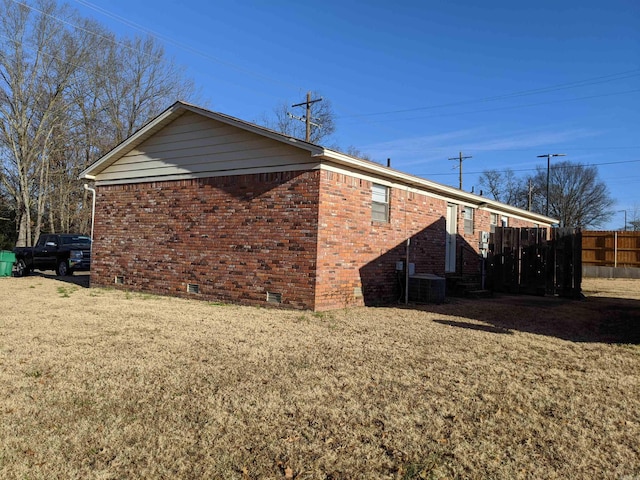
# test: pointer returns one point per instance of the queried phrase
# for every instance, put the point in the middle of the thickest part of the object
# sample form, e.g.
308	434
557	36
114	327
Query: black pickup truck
64	253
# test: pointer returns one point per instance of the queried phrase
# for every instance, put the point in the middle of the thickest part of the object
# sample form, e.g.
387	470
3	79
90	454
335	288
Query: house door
450	240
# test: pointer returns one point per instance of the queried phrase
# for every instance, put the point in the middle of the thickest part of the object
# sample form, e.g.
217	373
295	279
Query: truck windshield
75	239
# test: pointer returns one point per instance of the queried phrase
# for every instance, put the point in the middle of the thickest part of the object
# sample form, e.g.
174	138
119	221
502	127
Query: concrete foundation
610	272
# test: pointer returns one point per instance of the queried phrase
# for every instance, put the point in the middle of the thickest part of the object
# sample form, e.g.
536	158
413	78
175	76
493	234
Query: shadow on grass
474	326
80	279
594	319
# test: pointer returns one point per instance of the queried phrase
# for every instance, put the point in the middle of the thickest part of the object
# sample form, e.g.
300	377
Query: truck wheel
63	269
21	268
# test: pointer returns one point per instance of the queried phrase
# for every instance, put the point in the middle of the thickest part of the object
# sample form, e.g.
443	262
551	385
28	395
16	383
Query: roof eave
171	114
257	129
445	190
130	143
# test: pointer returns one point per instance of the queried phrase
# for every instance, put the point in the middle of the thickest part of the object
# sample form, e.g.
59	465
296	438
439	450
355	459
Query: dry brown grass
104	384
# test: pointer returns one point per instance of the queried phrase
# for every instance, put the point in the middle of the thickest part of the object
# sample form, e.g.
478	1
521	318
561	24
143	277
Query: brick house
201	204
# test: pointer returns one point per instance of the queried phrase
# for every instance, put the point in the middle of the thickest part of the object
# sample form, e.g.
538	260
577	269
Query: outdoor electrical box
484	244
400	267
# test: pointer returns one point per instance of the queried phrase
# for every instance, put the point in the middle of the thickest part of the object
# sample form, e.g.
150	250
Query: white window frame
493	222
468	220
380	202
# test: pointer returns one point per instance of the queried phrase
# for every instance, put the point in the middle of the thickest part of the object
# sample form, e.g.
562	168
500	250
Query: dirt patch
106	384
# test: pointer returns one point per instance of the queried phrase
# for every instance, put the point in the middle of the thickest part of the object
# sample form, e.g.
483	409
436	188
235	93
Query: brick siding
357	254
236	237
308	236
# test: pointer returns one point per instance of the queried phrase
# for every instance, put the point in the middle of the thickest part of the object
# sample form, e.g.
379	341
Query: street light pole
549	155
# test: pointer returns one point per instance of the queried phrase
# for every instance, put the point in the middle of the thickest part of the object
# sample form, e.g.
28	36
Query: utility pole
307	117
460	159
548	156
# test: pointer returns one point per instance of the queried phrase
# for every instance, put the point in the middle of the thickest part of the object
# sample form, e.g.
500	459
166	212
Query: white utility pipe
406	275
93	205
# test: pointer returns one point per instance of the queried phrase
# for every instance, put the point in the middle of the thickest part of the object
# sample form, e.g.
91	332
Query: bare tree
7	221
634	218
505	187
577	197
36	67
356	152
139	81
321	114
69	91
123	86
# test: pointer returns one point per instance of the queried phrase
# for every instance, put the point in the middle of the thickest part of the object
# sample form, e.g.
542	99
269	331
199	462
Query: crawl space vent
193	288
119	280
274	297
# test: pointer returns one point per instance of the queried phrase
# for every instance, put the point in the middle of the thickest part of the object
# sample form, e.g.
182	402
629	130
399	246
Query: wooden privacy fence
528	260
611	249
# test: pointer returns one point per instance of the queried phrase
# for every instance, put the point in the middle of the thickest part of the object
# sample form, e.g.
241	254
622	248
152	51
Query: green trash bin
7	259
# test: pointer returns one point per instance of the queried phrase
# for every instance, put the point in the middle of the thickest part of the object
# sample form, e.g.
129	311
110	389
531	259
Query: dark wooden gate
527	260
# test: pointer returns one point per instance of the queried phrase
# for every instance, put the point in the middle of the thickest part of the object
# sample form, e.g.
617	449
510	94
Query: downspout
93	205
406	275
406	270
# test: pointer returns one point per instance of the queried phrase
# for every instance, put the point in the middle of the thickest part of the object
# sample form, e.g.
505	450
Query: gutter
412	180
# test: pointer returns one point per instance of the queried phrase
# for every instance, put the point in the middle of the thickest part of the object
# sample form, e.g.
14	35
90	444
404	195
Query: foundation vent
274	297
119	280
193	288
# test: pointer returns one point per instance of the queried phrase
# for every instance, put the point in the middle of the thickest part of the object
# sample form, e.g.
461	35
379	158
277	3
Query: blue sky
420	81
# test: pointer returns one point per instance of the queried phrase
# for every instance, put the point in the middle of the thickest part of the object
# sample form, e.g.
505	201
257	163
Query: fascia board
175	111
448	192
130	143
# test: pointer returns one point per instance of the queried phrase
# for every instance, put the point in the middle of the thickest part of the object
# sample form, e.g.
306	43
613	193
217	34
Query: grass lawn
108	385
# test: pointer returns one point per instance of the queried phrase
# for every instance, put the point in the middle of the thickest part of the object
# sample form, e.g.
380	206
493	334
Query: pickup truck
64	253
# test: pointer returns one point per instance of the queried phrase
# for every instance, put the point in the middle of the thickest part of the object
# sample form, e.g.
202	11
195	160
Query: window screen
468	220
380	203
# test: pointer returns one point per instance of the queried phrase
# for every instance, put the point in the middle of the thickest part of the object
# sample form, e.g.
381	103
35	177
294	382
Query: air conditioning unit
426	288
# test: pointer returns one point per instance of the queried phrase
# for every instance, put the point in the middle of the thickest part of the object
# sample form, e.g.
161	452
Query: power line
86	30
166	38
460	158
120	44
153	34
505	108
534	169
562	86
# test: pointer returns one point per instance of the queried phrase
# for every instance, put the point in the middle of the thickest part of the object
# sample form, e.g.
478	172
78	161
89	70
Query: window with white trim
493	222
379	202
467	214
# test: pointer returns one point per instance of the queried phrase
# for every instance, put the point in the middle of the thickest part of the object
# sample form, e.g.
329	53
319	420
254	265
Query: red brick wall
236	237
355	252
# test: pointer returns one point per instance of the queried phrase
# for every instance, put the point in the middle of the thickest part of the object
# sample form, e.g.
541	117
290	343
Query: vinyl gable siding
194	146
